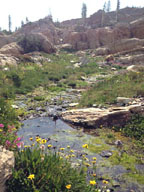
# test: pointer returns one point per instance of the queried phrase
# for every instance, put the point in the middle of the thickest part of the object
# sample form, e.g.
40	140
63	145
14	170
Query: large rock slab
11	49
36	42
95	117
5	39
137	28
125	45
6	165
8	60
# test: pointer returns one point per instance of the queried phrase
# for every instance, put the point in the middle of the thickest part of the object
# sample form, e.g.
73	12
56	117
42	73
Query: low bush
36	171
8	115
9	138
39	98
135	128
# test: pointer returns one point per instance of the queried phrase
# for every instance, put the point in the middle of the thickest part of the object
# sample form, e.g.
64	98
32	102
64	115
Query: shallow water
61	134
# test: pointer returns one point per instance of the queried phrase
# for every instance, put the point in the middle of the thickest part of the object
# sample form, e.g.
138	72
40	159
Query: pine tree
117	9
118	5
9	23
104	7
108	6
27	21
103	14
22	23
84	11
16	29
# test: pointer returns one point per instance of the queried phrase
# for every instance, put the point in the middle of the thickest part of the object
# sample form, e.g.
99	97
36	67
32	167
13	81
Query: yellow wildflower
93	162
68	146
92	182
85	158
85	146
94	158
72	151
14	129
62	148
49	146
1	130
43	141
68	186
94	174
37	137
38	140
32	176
31	138
105	182
72	155
87	164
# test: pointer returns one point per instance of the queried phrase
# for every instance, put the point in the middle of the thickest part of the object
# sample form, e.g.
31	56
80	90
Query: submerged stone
106	154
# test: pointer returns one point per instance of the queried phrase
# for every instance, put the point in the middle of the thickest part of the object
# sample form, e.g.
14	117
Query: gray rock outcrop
95	117
11	49
6	165
7	60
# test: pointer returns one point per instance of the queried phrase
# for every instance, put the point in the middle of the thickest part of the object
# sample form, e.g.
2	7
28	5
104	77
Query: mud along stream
60	135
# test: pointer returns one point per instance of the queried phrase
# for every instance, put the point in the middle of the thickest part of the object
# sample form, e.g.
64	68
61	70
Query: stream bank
123	170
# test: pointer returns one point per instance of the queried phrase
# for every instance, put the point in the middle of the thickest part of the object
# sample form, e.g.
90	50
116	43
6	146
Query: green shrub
9	138
135	128
8	115
39	98
36	171
30	43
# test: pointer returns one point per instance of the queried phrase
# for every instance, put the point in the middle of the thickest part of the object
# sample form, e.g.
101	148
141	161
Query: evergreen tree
16	29
22	23
27	21
118	5
117	9
9	23
84	11
103	14
49	17
108	6
104	7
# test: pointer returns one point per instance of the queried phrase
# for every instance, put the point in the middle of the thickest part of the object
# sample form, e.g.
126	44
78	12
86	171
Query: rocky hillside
100	32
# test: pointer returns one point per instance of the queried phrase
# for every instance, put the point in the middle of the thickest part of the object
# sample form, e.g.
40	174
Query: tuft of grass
39	98
8	115
98	148
130	84
124	159
135	177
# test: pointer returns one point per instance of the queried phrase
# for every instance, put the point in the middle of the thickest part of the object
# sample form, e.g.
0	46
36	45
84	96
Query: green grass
51	172
135	177
126	160
134	128
130	84
27	76
8	115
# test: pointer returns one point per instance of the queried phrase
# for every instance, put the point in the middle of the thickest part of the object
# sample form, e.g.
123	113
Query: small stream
61	134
